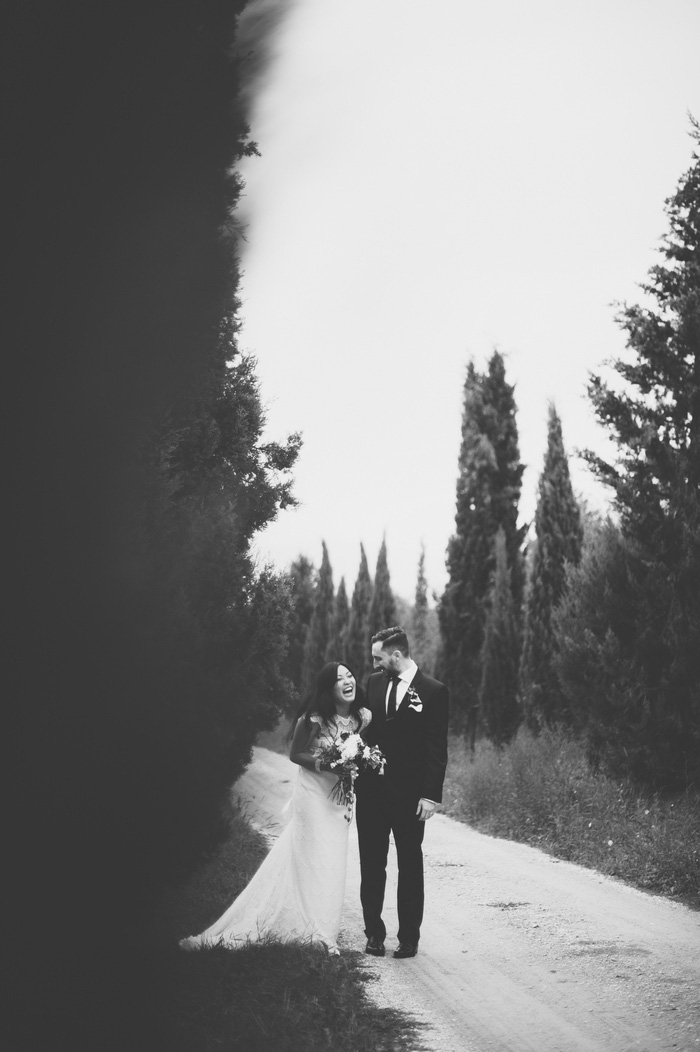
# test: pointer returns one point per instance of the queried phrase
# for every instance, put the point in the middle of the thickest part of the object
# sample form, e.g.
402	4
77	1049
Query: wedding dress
298	891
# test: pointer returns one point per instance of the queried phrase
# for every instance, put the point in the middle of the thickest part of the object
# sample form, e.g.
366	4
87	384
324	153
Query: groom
409	724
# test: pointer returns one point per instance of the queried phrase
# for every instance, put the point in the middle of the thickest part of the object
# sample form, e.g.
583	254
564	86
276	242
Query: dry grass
541	791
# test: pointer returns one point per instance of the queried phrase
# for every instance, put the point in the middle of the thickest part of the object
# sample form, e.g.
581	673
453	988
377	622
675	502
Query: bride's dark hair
322	700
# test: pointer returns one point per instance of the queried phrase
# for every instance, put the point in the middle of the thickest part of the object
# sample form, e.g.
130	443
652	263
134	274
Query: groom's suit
414	742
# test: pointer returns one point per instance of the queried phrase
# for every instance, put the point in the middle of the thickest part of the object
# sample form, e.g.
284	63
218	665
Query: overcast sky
436	181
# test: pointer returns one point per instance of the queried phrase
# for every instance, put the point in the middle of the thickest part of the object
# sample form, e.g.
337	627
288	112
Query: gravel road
520	952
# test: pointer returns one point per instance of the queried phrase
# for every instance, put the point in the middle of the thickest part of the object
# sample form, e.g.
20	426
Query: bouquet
348	755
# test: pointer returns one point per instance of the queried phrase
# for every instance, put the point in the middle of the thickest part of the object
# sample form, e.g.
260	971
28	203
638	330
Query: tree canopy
357	649
339	625
488	493
302	581
559	536
643	631
498	690
148	645
382	608
320	632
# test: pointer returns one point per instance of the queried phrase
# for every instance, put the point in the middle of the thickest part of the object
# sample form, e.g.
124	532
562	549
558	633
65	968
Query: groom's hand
425	809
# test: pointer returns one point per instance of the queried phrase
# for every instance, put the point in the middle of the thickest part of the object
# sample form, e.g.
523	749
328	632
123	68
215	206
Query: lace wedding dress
298	891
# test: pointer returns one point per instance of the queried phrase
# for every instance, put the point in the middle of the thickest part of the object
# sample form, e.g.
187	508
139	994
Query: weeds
267	997
277	998
541	791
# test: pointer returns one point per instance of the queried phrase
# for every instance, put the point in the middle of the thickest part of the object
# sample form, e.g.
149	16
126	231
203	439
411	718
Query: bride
298	891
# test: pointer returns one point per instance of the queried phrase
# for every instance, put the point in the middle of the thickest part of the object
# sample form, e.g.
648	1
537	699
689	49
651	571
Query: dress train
298	891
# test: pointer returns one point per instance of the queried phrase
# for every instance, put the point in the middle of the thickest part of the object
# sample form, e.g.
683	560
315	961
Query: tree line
326	625
592	624
575	620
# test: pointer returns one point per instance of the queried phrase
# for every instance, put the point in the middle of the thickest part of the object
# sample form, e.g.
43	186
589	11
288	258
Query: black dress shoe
406	949
375	946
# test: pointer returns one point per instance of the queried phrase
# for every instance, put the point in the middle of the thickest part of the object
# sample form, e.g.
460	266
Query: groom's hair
393	639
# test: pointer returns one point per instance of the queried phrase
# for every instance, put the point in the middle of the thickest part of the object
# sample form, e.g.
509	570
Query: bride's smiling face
345	687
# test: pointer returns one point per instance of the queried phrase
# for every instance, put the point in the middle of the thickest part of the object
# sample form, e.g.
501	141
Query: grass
541	791
267	997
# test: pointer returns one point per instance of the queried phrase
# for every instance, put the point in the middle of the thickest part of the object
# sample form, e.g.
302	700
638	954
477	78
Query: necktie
391	707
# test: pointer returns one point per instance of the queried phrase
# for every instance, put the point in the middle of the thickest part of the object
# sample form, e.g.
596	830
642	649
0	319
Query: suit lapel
417	682
413	685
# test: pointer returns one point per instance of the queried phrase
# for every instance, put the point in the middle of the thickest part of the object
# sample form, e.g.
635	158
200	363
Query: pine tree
498	693
419	620
559	538
357	648
303	583
488	492
382	610
339	627
320	627
655	421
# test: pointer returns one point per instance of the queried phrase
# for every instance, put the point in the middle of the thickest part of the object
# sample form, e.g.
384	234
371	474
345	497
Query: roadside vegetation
267	997
541	790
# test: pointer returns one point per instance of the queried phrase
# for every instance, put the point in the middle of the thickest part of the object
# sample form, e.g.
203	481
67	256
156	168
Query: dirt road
519	952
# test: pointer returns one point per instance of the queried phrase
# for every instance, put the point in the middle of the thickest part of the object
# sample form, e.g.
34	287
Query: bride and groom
298	892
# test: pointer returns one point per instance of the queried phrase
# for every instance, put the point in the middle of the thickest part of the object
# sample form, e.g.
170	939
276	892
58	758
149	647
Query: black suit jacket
414	741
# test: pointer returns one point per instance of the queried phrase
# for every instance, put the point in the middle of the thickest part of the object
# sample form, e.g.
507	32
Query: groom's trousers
378	815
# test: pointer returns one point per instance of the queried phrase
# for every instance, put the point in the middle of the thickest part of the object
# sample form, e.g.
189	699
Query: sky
436	182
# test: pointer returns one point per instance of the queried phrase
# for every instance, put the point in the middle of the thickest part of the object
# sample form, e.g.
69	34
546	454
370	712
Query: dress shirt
405	679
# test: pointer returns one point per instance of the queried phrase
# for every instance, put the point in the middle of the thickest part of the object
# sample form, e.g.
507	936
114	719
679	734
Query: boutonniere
414	701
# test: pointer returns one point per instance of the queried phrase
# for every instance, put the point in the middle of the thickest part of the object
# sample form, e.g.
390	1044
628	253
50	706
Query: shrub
542	791
624	664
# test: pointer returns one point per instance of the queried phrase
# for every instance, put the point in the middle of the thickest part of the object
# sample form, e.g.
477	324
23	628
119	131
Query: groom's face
382	659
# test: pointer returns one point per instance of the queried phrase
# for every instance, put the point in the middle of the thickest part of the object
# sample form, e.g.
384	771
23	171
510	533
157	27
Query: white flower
414	701
351	748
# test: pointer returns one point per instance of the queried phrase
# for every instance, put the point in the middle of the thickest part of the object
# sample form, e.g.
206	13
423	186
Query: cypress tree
488	492
498	693
595	628
339	626
320	627
505	491
382	610
303	582
419	621
161	643
559	538
357	648
655	421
